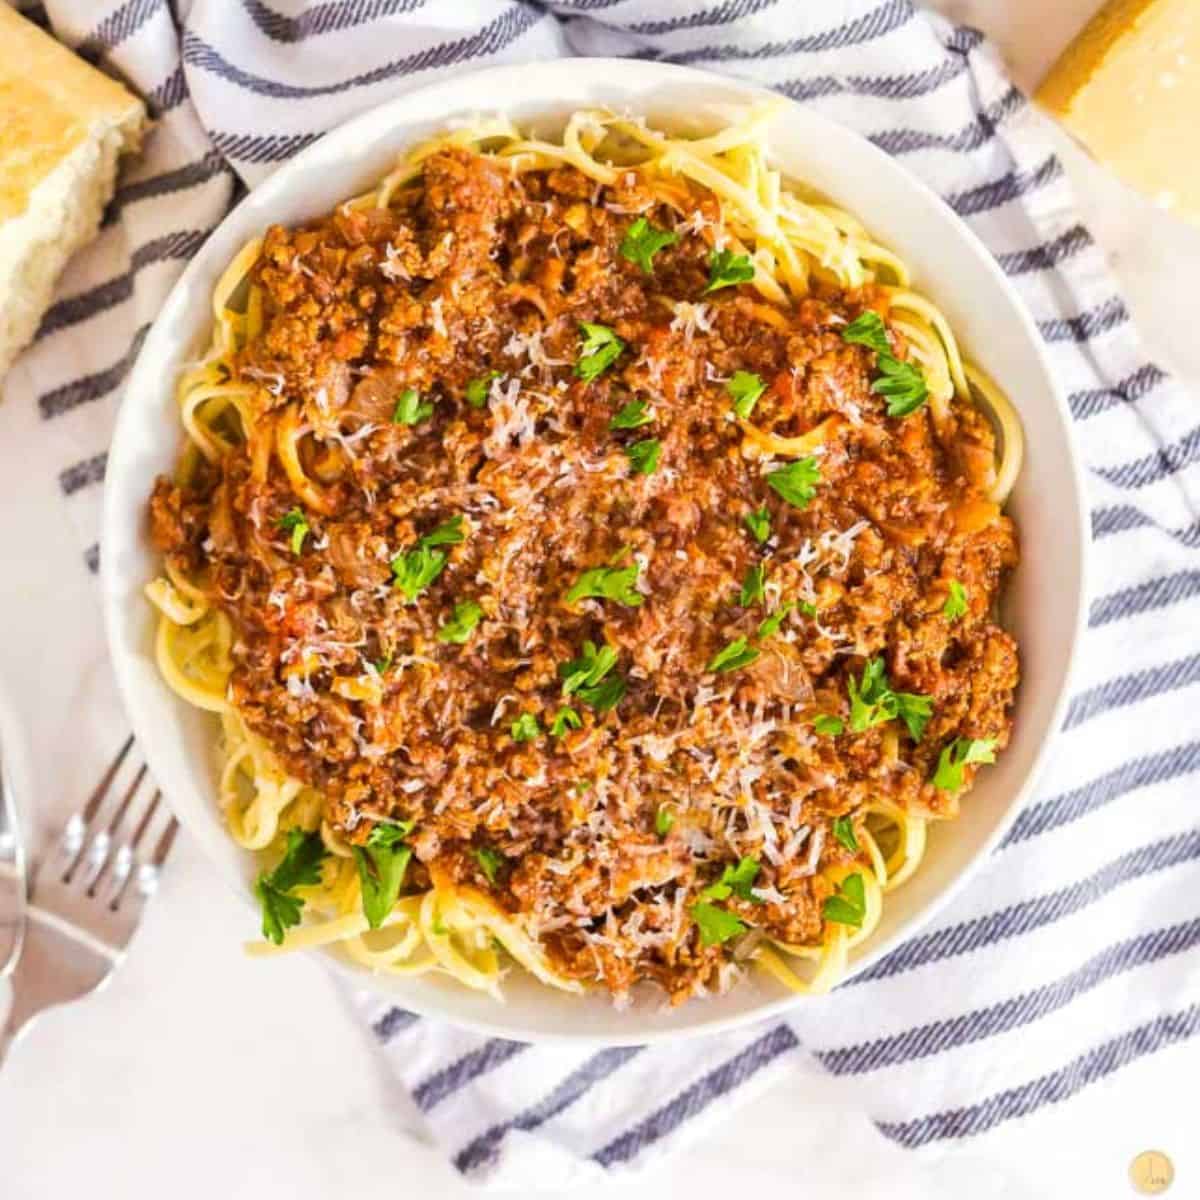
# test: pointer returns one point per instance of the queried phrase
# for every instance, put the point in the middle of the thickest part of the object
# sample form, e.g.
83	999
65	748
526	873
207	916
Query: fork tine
120	866
73	845
106	781
165	843
144	823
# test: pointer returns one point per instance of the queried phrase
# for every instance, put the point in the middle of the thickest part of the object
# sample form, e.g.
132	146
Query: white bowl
1046	595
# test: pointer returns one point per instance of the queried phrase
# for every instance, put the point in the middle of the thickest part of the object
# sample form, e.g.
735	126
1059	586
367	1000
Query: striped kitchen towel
1074	952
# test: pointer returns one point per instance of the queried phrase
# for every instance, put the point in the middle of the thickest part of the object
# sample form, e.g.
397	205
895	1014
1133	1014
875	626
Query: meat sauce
471	291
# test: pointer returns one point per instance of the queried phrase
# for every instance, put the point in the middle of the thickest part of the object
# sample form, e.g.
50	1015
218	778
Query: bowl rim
360	132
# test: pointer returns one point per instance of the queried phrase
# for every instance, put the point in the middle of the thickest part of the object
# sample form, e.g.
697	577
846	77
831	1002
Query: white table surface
200	1073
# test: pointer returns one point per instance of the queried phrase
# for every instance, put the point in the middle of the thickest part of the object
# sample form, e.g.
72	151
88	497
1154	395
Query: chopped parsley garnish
956	602
914	711
490	861
299	867
715	924
903	385
726	268
448	533
644	455
296	523
411	409
381	665
462	623
843	830
745	388
828	726
849	906
664	818
603	696
382	863
737	654
949	774
770	627
901	382
598	351
525	728
753	586
608	583
566	718
868	329
642	241
872	702
632	416
808	608
734	881
758	521
414	570
796	483
588	669
478	388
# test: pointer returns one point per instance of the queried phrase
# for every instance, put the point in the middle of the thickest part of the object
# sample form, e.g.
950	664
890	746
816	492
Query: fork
87	897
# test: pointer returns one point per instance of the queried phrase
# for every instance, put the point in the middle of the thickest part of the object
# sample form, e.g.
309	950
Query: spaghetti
589	549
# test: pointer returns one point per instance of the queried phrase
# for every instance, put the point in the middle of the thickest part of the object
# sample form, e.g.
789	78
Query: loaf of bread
1128	87
63	126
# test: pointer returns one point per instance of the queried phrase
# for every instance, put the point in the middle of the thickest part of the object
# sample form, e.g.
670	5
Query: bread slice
63	125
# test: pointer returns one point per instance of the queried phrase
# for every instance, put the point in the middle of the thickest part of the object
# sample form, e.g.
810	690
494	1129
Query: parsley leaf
478	388
956	602
461	624
726	268
295	521
828	726
599	350
808	608
603	696
903	385
901	382
415	570
758	521
753	586
644	455
734	881
914	711
770	626
381	864
849	906
745	388
843	830
872	702
566	718
664	818
410	410
731	657
588	669
448	533
949	774
642	241
300	866
796	483
608	583
632	416
490	861
868	329
525	728
715	924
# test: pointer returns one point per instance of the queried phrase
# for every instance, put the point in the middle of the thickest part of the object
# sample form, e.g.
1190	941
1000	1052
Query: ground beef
481	275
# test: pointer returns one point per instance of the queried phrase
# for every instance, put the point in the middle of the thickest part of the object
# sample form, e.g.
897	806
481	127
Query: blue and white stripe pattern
1074	952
